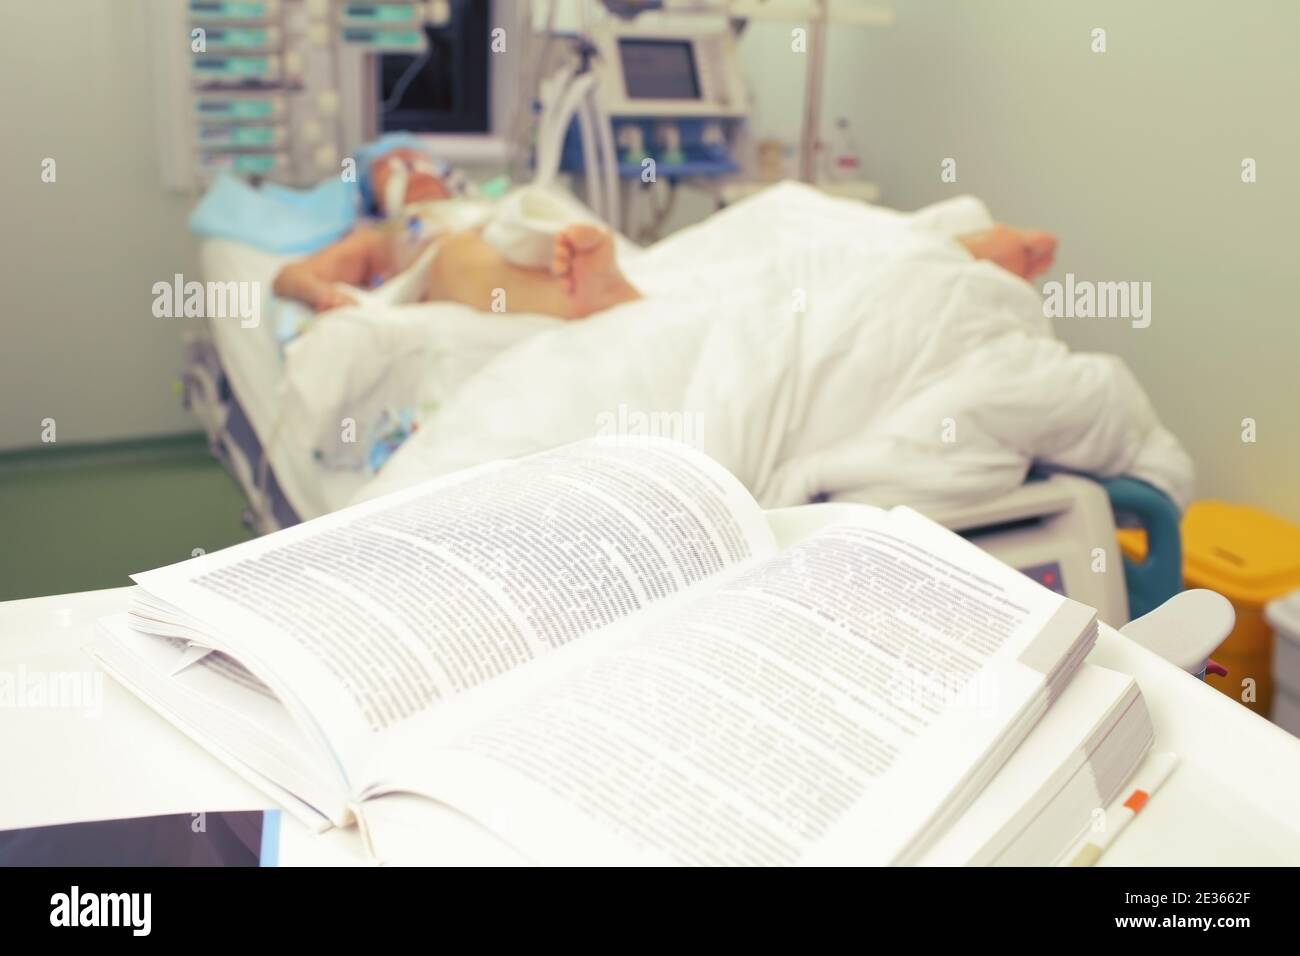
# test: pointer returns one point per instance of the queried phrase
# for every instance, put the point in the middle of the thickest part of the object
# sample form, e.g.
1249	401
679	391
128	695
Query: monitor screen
445	89
659	69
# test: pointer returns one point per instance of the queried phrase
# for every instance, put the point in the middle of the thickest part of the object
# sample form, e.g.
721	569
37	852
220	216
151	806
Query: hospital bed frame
206	391
1018	527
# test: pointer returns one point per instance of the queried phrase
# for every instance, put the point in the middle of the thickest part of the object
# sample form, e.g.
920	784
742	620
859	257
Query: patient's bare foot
1024	252
584	258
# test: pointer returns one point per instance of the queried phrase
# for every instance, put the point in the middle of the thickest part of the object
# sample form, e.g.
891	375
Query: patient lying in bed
582	278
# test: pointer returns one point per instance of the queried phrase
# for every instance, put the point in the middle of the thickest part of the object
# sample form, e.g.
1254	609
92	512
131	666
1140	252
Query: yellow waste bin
1250	557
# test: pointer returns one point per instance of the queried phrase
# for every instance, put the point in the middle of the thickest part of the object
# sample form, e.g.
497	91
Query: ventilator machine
284	90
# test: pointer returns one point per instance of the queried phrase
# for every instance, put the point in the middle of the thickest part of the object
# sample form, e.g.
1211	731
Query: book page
751	726
1061	744
368	617
227	710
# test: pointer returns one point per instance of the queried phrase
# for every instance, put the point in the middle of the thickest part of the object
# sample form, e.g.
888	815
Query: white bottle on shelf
845	163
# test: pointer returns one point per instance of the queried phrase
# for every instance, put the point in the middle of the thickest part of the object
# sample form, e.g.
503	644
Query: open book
1053	789
1080	758
601	654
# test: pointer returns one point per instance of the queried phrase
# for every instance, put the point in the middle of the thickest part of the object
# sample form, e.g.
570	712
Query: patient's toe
561	257
585	236
1041	251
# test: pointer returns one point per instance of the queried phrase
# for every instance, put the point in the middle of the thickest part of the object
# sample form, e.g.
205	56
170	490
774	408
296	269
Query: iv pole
819	16
810	136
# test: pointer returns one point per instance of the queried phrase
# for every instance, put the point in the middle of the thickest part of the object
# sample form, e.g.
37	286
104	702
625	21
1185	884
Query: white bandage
524	226
399	175
395	190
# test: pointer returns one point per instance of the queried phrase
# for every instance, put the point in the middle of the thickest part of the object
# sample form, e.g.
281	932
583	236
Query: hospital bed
1051	528
231	383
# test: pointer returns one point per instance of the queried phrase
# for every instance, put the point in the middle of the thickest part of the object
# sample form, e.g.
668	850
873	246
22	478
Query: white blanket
815	346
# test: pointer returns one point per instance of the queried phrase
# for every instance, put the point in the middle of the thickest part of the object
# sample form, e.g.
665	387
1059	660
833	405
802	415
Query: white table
1234	799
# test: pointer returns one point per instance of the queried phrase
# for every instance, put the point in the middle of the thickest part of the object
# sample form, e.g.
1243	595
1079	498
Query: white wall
78	342
1133	158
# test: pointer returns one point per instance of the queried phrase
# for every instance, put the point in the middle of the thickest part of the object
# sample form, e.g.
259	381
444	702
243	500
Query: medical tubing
609	165
542	145
594	186
571	107
553	92
531	73
405	80
556	124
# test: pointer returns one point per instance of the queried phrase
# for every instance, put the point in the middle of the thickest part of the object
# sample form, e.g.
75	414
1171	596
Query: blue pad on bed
276	218
291	320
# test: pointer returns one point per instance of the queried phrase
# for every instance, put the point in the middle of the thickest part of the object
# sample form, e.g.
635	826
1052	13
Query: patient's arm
358	259
583	278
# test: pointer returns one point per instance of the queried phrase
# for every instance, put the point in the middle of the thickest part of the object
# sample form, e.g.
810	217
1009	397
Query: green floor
74	519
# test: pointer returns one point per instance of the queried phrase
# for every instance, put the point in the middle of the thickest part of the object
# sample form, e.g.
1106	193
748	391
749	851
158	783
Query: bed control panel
1060	531
1048	575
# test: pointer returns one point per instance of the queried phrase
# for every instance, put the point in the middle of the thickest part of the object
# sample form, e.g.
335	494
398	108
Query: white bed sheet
843	400
817	346
254	367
